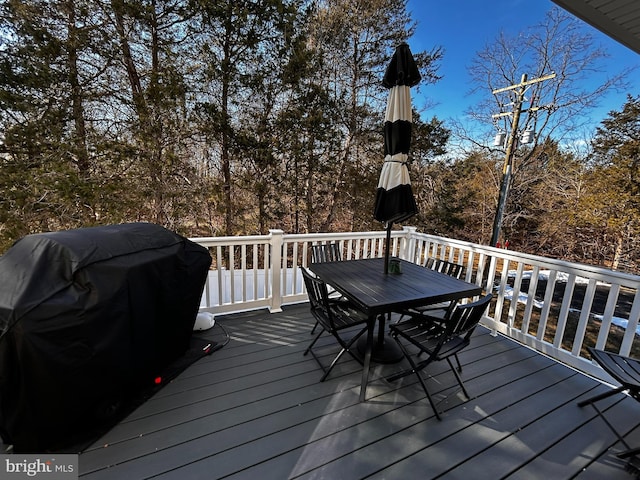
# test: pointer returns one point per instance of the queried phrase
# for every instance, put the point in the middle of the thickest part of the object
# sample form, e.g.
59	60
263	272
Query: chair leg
346	347
424	387
455	372
403	373
351	343
414	369
330	367
629	452
313	330
458	362
399	375
313	342
597	398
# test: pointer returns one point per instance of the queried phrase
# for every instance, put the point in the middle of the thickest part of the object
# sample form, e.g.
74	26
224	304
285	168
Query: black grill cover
87	317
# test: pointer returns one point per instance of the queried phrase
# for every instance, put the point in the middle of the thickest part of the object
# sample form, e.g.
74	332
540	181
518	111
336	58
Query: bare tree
534	86
554	108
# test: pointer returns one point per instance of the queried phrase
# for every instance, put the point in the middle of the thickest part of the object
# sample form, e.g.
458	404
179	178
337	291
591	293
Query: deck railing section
263	271
555	307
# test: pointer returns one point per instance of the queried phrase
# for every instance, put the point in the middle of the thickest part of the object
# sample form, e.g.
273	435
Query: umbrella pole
386	249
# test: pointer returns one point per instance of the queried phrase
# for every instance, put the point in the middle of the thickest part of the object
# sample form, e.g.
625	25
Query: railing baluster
221	281
256	249
609	311
515	294
632	326
564	311
584	317
546	307
243	271
531	298
232	273
501	287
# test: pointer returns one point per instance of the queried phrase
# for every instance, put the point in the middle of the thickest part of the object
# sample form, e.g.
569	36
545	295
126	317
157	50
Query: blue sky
463	27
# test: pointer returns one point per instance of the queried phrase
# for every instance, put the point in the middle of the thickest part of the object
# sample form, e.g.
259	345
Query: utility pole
512	145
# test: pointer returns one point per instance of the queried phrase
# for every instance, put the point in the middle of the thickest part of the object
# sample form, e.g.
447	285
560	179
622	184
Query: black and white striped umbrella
394	198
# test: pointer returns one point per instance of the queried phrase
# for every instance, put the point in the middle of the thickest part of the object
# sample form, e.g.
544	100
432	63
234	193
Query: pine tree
239	41
355	41
44	162
614	184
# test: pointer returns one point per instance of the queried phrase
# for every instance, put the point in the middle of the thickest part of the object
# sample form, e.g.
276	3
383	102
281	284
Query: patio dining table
377	294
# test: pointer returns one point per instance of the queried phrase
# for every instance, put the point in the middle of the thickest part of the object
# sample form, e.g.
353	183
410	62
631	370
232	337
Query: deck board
256	409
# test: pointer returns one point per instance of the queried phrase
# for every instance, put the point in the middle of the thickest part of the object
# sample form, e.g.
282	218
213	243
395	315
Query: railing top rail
239	240
294	237
300	237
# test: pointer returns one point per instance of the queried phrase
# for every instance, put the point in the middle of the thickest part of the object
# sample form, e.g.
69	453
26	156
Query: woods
234	117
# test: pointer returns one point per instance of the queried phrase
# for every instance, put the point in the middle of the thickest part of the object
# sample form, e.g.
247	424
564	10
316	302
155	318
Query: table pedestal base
385	353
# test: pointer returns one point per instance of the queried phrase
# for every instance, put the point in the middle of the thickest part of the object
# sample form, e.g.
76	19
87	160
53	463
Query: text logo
49	467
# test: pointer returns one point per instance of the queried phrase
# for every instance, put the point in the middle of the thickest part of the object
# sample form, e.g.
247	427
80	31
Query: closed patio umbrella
394	197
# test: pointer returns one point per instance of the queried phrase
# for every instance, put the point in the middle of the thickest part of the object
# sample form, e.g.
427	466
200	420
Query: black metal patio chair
438	338
326	252
441	308
334	318
626	371
444	266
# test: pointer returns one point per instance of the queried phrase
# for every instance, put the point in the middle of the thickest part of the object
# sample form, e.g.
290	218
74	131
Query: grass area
614	336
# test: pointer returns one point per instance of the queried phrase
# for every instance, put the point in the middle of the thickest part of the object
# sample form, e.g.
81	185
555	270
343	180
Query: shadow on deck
255	409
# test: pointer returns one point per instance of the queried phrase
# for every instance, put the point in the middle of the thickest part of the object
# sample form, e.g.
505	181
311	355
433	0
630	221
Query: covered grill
88	318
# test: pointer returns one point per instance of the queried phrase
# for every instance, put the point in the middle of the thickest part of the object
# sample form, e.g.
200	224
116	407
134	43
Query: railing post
277	242
409	243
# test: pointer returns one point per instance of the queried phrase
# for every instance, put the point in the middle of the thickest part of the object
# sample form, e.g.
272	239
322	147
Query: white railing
555	307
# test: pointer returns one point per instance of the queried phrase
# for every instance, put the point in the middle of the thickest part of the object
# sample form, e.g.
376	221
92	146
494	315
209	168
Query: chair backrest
318	299
443	266
464	318
449	337
325	252
625	370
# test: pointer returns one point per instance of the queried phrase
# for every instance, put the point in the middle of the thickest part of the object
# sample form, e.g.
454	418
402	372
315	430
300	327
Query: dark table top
365	283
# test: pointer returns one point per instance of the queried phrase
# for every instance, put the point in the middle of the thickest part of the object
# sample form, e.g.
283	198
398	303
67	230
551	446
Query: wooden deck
256	410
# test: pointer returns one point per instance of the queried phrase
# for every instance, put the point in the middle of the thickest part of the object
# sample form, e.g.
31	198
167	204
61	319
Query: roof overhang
619	19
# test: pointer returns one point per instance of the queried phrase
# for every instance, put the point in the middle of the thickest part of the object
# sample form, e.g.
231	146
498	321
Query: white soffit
619	19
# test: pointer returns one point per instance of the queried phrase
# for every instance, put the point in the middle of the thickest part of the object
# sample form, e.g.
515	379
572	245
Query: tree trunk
617	256
226	137
80	136
132	73
156	167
